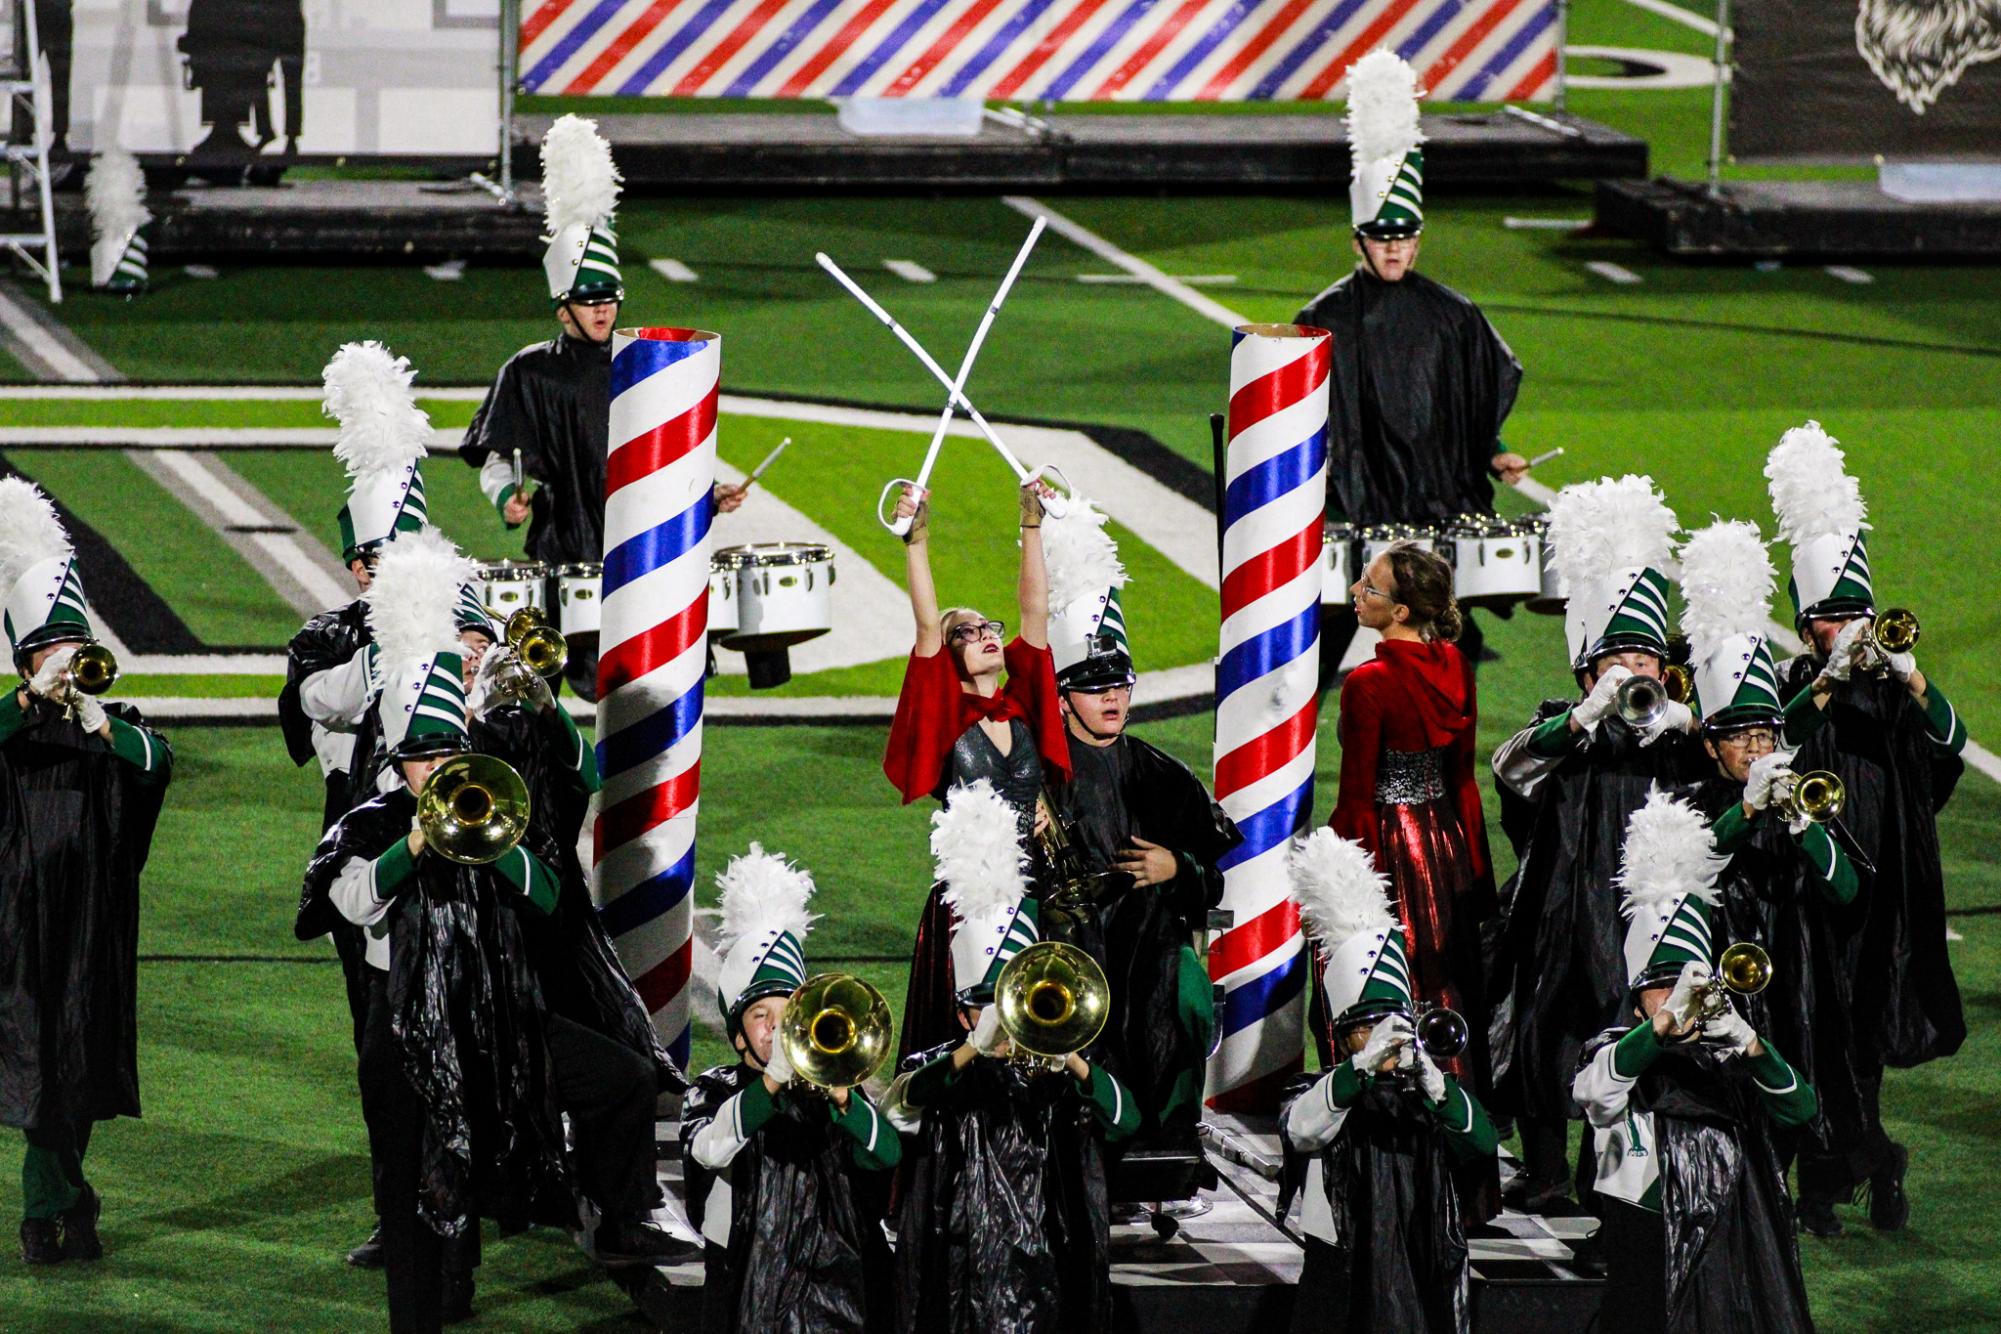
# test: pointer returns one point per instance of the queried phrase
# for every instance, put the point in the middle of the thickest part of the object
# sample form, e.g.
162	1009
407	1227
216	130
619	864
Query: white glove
1695	976
1429	1077
1729	1032
1901	665
779	1068
1766	771
1604	697
988	1037
47	682
89	713
1841	654
1386	1037
1676	717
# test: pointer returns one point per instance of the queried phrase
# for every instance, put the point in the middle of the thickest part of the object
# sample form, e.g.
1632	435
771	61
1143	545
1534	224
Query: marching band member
1003	1223
455	1063
774	1165
81	784
1420	382
1143	831
1568	782
957	722
550	405
1894	740
1698	1231
1386	1127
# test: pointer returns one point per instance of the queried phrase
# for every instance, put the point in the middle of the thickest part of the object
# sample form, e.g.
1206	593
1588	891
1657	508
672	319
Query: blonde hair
945	619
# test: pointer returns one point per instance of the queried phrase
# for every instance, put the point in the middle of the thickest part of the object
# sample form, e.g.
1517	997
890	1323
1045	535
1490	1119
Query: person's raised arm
914	505
1031	593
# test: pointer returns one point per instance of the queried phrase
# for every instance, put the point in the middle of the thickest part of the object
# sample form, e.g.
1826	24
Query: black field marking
1983	910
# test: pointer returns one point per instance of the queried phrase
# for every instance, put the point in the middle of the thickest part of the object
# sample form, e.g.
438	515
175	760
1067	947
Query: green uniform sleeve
142	748
585	759
1636	1052
1730	829
1344	1085
1803	717
877	1147
1790	1099
395	870
1942	720
1465	1121
928	1083
1837	874
527	873
1111	1103
12	716
755	1106
1553	737
507	493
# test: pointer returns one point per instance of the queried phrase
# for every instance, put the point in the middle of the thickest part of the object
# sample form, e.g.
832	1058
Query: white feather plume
1340	892
368	391
1669	852
1727	579
1599	528
761	892
115	191
977	851
1812	493
413	601
1083	559
579	180
30	531
1382	107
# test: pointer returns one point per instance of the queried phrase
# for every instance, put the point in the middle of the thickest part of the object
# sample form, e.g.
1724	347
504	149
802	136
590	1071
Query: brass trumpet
1895	630
1053	999
91	669
1744	968
1642	700
1817	796
836	1031
536	642
473	809
509	681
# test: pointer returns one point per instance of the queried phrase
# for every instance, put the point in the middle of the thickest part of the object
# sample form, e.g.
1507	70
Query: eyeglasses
1370	590
969	632
1753	739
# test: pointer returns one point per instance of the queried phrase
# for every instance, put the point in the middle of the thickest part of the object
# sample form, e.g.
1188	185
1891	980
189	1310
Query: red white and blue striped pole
1267	698
653	653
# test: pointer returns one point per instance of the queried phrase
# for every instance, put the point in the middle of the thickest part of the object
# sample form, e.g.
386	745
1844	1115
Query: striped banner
653	654
1267	696
1032	50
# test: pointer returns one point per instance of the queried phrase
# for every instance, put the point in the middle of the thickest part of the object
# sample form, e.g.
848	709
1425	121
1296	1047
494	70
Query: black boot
635	1241
455	1302
41	1241
80	1241
1817	1216
1889	1207
368	1255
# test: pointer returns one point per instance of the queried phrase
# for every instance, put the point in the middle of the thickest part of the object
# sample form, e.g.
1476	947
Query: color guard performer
776	1165
1420	382
1698	1233
81	783
1894	740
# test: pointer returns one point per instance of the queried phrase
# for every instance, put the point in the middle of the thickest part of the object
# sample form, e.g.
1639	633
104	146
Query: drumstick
769	459
517	470
1544	457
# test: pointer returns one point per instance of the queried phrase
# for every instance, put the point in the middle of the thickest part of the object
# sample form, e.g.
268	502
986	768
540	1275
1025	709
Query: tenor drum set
766	597
1495	562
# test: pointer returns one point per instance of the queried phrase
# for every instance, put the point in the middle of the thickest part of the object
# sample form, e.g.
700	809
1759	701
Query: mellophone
1494	561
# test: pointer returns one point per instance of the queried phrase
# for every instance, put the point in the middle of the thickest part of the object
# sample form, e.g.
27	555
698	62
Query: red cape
933	712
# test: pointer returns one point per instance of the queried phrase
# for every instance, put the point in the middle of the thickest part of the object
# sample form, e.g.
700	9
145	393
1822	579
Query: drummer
1420	382
550	406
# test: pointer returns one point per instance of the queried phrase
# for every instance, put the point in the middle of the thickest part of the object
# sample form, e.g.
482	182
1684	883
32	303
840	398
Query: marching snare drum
1337	565
506	586
784	593
1548	598
1492	561
722	592
577	599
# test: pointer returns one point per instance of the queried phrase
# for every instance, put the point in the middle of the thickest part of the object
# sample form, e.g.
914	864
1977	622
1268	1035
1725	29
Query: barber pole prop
653	655
1274	474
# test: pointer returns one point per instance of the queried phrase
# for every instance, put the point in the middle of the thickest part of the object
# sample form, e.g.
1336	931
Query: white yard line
1167	286
1515	224
673	270
910	271
1848	273
1192	279
1614	273
317	586
179	438
215	393
1676	14
33	341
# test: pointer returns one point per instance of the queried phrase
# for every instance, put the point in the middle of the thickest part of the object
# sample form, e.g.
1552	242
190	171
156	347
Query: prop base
1818	220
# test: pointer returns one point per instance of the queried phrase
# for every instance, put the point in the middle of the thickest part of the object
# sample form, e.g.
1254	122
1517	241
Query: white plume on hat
1599	529
413	600
1382	108
762	893
1082	558
1669	852
1727	579
579	180
369	393
1812	493
977	851
1339	890
30	531
115	192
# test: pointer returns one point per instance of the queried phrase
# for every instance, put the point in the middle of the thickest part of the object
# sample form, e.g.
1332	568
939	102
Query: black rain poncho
552	401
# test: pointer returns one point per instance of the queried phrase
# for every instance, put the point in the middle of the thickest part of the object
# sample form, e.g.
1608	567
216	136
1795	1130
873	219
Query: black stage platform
747	151
1774	219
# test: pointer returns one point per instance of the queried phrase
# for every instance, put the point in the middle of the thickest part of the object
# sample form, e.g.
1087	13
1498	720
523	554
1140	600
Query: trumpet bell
1679	682
92	668
1642	701
1442	1033
836	1031
1896	630
1745	968
1817	796
536	642
473	809
1053	999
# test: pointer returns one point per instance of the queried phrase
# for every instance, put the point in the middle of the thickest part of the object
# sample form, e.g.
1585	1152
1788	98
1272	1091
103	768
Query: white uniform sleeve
718	1143
1519	766
354	893
1601	1090
1312	1121
337	698
495	476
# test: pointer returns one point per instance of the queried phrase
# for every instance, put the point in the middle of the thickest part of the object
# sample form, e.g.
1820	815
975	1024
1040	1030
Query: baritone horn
536	642
1816	796
91	669
1054	999
1896	630
1744	968
836	1031
473	809
1643	701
